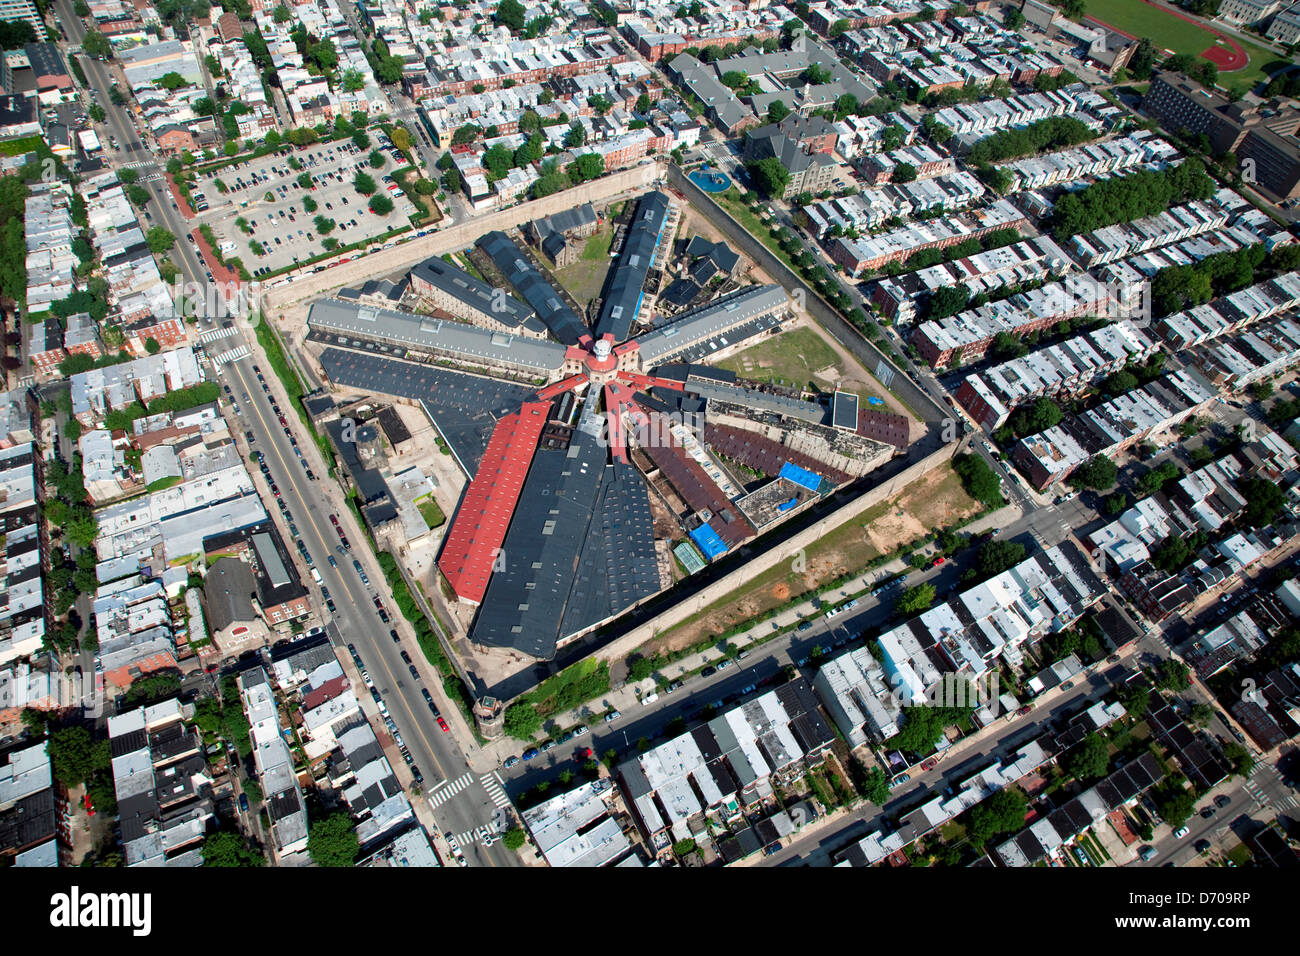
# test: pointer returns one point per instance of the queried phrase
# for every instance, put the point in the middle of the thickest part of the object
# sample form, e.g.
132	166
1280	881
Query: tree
376	159
1119	383
96	45
332	841
903	173
390	69
978	479
1173	675
96	113
1098	473
381	205
451	180
1175	803
914	600
576	136
1089	760
352	81
522	721
514	839
75	756
160	240
324	226
994	557
282	14
585	167
1264	501
172	81
1003	812
947	300
364	183
511	13
151	346
777	111
1241	759
1014	19
360	140
465	134
226	848
770	176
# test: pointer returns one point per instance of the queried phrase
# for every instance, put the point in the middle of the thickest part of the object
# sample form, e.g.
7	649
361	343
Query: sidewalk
628	697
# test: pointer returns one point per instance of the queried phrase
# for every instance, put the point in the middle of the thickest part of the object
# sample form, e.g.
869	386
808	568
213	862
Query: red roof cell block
480	526
618	402
644	382
556	389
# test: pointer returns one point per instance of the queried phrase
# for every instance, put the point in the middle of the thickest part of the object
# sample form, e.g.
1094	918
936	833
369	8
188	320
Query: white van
315	575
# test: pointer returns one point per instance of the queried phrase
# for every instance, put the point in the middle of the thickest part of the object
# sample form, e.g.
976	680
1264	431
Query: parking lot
283	227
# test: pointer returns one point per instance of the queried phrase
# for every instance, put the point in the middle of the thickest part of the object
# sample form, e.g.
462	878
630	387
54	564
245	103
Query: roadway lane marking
455	787
447	783
491	783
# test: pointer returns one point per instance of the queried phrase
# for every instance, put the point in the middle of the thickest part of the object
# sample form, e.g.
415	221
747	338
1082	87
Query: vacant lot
933	501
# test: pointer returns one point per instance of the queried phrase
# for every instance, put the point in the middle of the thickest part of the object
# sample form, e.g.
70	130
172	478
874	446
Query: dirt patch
934	500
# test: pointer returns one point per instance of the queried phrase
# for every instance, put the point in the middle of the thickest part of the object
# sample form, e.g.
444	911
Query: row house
1019	264
968	335
1125	239
1070	366
897	245
1126	420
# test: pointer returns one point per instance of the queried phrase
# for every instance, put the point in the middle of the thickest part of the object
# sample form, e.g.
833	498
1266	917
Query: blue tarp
708	541
787	505
801	476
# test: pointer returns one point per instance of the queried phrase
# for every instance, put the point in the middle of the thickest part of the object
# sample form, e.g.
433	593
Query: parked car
1180	833
510	762
530	753
1222	800
804	626
612	716
1148	853
708	672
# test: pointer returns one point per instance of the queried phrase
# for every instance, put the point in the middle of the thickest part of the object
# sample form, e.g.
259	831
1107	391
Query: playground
711	181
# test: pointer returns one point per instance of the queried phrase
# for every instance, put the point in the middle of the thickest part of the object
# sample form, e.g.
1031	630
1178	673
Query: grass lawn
1168	32
1165	30
794	357
584	277
430	511
597	247
19	147
789	359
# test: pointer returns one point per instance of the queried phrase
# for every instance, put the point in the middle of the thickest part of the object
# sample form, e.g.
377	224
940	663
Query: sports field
1139	20
1170	32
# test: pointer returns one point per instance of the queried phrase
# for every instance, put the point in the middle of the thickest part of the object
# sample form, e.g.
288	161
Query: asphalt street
462	801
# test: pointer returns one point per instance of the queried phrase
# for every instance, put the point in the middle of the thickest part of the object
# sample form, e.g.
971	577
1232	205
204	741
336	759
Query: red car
930	764
937	562
443	724
583	753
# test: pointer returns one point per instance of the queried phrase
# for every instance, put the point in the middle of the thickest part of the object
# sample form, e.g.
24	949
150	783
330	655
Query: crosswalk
213	334
448	789
234	355
492	784
483	834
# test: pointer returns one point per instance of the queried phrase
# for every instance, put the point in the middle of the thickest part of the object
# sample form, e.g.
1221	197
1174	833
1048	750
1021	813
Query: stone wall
786	550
